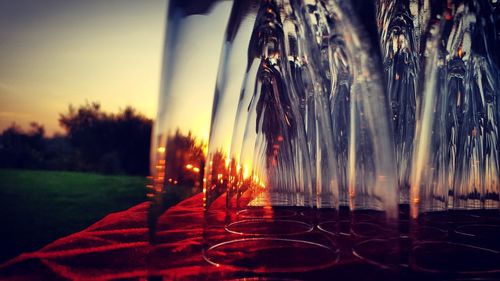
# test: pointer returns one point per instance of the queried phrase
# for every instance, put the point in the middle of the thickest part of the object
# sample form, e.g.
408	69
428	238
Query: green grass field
37	207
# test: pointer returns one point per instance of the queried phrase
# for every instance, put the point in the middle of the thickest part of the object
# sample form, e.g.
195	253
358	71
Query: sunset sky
56	53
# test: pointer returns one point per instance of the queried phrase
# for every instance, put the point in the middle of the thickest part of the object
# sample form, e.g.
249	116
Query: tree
184	151
20	149
106	142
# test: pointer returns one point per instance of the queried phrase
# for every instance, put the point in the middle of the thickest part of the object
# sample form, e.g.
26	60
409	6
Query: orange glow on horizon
103	54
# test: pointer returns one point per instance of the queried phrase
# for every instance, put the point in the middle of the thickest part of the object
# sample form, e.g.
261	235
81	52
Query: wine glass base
383	253
268	227
265	255
266	213
449	257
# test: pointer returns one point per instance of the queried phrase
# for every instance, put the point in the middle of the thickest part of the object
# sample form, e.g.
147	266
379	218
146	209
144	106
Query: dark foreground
37	207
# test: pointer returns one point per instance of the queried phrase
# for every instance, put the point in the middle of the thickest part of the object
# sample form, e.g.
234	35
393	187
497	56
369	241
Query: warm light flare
246	172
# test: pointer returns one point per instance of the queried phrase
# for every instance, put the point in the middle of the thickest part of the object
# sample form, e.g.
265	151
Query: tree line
94	140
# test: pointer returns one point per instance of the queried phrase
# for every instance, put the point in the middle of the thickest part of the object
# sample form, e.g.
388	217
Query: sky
56	53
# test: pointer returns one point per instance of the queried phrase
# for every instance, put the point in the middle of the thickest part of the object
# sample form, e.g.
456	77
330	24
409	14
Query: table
117	247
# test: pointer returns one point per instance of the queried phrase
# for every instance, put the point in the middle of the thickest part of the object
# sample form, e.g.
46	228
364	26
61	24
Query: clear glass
431	163
399	36
320	126
472	81
309	76
180	133
334	218
314	52
456	160
260	185
371	165
455	167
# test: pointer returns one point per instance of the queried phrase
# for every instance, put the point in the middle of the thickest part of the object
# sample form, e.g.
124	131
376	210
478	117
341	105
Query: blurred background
79	84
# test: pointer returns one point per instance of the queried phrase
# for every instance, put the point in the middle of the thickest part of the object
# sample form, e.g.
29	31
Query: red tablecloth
117	248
